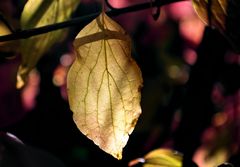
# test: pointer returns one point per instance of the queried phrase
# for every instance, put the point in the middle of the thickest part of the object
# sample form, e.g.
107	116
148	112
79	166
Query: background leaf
160	158
39	13
223	15
8	46
163	157
104	85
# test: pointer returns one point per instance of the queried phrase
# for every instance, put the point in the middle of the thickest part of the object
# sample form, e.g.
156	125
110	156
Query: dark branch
75	21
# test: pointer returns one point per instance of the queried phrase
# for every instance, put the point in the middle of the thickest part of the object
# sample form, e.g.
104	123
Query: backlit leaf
223	15
160	158
8	46
104	85
39	13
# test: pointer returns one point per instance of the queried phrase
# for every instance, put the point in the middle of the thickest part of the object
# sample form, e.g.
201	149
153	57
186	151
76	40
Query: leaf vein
222	6
78	71
126	75
118	89
109	90
102	78
88	81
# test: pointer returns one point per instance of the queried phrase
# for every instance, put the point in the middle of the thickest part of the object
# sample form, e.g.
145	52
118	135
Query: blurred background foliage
190	99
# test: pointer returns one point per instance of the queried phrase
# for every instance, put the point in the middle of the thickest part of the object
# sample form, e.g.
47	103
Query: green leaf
104	85
160	158
223	15
39	13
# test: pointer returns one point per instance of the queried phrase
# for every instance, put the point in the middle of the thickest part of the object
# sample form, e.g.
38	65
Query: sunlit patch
124	3
221	140
118	4
219	119
66	60
31	90
60	73
192	30
59	76
174	71
202	158
191	27
190	56
136	162
180	10
179	74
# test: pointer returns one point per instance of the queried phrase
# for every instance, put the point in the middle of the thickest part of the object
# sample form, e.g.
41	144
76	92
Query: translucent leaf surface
39	13
160	158
223	15
104	85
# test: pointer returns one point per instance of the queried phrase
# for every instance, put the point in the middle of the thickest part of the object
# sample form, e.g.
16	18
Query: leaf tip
118	155
20	82
21	76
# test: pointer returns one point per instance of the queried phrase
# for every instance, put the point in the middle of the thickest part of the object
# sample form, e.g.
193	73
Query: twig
75	21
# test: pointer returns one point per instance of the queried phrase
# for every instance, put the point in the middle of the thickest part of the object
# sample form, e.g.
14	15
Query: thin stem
103	6
75	21
209	12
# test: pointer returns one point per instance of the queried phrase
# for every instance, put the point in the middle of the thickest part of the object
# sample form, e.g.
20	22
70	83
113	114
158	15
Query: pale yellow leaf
38	13
104	85
222	15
